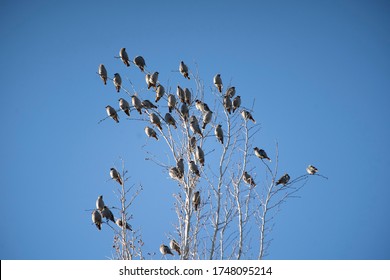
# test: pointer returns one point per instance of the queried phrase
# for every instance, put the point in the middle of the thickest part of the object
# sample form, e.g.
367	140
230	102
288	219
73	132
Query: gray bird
117	81
227	103
164	249
119	223
248	179
136	104
111	112
196	200
180	93
187	96
174	246
147	104
100	203
124	105
103	73
171	102
260	153
192	144
283	180
231	91
311	170
106	213
160	91
154	119
124	57
115	175
170	120
174	173
247	115
140	62
153	80
194	126
180	167
147	80
194	168
184	70
218	82
219	133
199	155
97	219
199	105
206	118
150	132
184	111
236	103
206	107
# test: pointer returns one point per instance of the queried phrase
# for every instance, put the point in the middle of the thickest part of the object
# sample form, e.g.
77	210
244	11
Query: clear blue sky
319	71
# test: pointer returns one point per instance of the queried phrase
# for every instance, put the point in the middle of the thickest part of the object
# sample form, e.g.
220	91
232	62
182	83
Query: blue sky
318	70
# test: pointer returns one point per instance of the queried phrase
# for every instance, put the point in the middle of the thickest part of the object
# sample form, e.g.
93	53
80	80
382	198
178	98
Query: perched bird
154	119
111	112
260	153
227	103
196	200
106	213
160	91
192	144
164	249
103	73
283	180
184	111
194	168
194	125
199	155
247	115
180	167
136	104
311	170
171	102
199	105
124	57
150	132
206	118
153	80
100	203
175	246
187	96
236	102
184	70
231	91
180	93
140	62
124	105
174	173
115	175
117	81
170	120
218	82
147	104
119	223
219	133
206	107
147	78
97	219
248	179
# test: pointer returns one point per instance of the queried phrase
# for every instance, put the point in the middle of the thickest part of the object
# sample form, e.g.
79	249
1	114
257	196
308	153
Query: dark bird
283	180
311	170
227	103
116	176
219	133
199	155
106	213
180	167
180	93
231	91
196	200
187	96
184	111
248	179
103	73
124	57
175	246
154	119
171	102
164	249
111	112
194	126
260	153
147	104
140	62
97	219
174	173
184	70
236	103
170	120
194	168
192	144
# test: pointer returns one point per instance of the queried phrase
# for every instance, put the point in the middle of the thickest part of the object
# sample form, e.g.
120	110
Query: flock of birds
230	102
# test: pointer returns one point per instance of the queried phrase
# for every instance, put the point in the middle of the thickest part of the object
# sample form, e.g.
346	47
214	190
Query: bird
199	105
247	115
311	170
150	132
124	105
100	203
227	103
196	200
136	104
97	219
119	223
194	125
187	96
219	133
231	91
154	119
147	78
124	57
147	104
117	80
164	249
171	102
283	180
206	118
248	179
103	73
180	93
170	120
115	175
194	168
111	112
174	246
160	91
140	62
192	144
236	103
153	80
180	167
106	213
260	153
174	173
184	70
218	82
199	155
184	111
